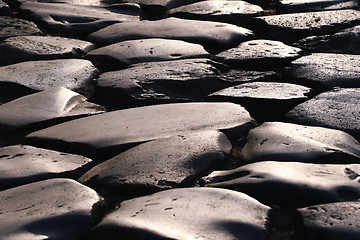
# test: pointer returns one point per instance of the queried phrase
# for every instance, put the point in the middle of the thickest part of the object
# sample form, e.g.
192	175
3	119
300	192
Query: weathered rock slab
188	213
291	184
11	27
277	141
20	164
338	109
31	48
291	6
209	34
160	164
117	131
32	76
53	209
122	54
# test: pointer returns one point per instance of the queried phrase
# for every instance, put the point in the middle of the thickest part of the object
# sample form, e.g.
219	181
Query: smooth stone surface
122	54
30	48
338	109
11	27
160	164
159	6
259	53
234	12
190	213
323	71
44	109
277	141
332	221
50	209
346	41
264	100
119	130
291	184
294	26
20	164
77	19
212	34
29	77
291	6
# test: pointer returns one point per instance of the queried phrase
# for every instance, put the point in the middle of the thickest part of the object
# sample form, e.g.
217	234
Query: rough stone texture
209	34
337	109
332	221
32	76
30	48
170	162
11	27
234	12
323	71
264	100
277	141
291	6
259	53
50	209
123	54
294	26
77	19
120	130
20	164
43	109
192	213
346	41
291	184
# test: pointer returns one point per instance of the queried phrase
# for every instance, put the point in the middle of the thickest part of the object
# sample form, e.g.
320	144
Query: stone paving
179	119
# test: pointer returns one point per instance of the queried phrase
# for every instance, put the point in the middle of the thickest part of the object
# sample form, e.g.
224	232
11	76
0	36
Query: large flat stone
29	77
323	71
122	54
291	6
234	12
338	109
77	19
50	209
291	184
11	27
73	2
30	48
209	34
160	164
277	141
20	164
294	26
190	213
109	133
44	109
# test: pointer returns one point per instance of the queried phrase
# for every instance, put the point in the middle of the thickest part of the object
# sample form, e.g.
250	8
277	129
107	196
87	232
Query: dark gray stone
277	141
294	26
73	2
160	164
44	109
30	48
264	100
291	184
11	27
29	77
338	109
20	164
291	6
209	34
234	12
50	209
119	130
122	54
323	71
346	41
189	213
76	19
259	53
